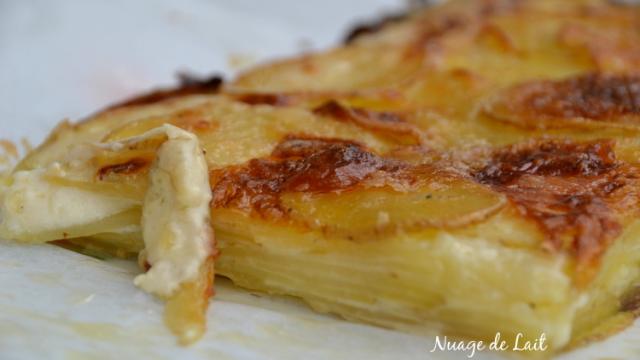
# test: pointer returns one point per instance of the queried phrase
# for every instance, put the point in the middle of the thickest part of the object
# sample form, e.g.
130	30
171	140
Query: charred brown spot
592	96
572	191
265	99
189	85
381	121
297	164
130	167
548	159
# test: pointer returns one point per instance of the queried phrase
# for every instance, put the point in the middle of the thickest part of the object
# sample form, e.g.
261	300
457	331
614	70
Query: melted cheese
176	216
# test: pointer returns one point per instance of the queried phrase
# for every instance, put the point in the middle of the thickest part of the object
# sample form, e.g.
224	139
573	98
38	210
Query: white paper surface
65	59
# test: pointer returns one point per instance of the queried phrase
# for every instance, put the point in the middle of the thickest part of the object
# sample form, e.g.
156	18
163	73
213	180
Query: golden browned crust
483	136
299	164
604	98
535	100
578	193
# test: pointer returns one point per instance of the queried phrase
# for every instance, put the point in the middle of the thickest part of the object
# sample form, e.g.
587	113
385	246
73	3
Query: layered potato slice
470	169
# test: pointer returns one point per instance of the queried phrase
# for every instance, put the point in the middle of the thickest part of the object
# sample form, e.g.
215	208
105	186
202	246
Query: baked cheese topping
176	215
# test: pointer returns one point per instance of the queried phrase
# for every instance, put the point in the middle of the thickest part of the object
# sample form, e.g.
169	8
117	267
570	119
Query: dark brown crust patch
593	96
132	166
297	164
575	192
265	99
189	85
552	158
597	97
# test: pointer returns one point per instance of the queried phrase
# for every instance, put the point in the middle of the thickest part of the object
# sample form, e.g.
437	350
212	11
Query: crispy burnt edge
568	189
373	26
188	85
